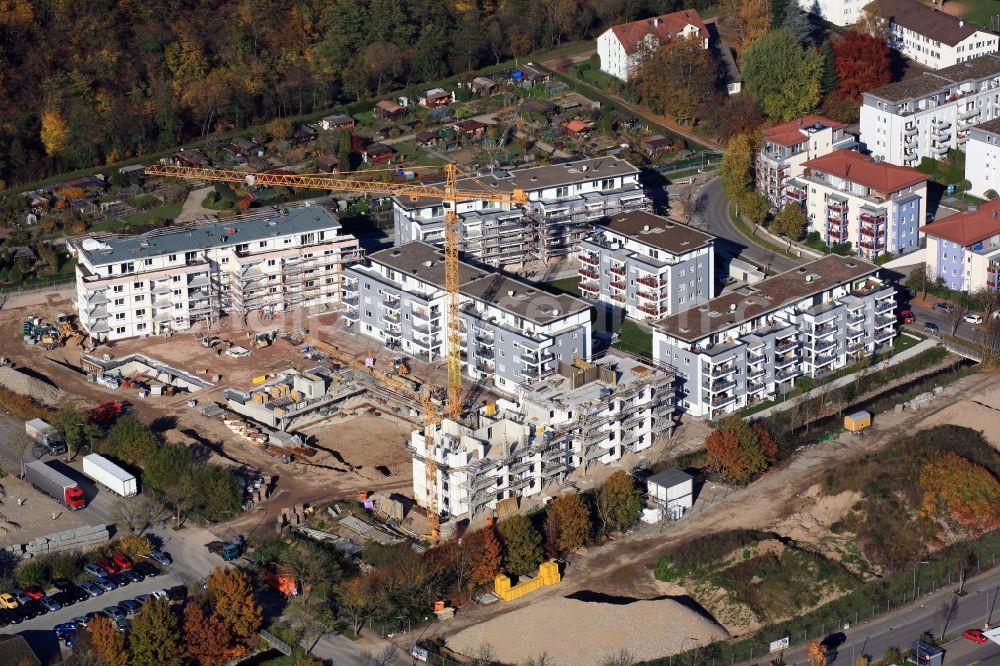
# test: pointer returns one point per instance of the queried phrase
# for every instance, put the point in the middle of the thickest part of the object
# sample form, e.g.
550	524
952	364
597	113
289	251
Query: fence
41	285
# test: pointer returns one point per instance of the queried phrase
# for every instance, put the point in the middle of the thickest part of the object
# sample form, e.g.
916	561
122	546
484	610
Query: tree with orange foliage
738	450
107	642
355	602
816	654
54	133
208	638
484	550
744	21
967	491
234	602
862	63
570	517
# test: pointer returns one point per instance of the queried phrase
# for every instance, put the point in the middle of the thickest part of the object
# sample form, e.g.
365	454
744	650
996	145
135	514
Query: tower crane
449	195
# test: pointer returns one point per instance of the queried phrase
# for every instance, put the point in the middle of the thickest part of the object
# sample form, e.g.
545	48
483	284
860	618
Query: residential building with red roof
851	198
963	249
624	47
788	146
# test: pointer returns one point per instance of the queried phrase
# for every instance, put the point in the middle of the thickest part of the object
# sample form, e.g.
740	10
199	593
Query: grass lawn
634	339
979	11
570	285
167	212
944	172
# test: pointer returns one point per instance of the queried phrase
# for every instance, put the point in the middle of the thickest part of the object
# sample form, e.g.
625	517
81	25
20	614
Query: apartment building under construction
563	201
172	279
587	414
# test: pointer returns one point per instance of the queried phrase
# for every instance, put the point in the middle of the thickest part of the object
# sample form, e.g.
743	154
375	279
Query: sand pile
971	414
574	633
18	382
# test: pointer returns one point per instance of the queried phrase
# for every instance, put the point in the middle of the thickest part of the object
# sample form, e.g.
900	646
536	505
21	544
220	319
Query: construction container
259	379
857	422
439	606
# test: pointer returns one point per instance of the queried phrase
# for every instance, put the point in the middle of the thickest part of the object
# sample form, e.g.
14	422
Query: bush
991	194
134	546
33	572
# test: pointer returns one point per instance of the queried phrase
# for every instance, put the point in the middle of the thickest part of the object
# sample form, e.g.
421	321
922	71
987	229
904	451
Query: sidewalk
335	649
922	346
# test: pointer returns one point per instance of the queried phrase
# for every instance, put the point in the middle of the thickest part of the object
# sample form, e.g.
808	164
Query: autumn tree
234	601
736	168
522	545
355	601
484	551
782	75
54	133
207	638
153	639
862	63
738	450
619	503
570	519
678	78
961	489
755	207
313	565
816	654
107	642
790	221
744	21
729	115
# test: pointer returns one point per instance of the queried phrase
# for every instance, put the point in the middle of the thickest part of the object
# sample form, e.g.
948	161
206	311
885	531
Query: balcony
589	274
855	346
782	347
721	385
884	320
618	270
884	335
856	320
754	373
823	345
939	149
795	195
885	305
910	130
819	360
649	309
649	296
718	371
651	282
589	259
968	113
838	232
617	298
836	206
391	317
874	245
824	329
871	232
618	285
785	375
587	288
785	361
391	301
722	401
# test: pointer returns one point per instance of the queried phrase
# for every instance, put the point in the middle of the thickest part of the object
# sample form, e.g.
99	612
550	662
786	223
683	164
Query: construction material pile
24	384
571	631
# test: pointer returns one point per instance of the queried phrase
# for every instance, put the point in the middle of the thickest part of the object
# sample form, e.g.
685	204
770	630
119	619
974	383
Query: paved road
716	216
901	627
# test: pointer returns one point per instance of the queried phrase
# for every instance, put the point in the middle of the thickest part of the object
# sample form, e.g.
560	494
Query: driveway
192	209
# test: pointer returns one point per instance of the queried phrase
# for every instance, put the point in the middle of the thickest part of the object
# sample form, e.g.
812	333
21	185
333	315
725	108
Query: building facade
982	158
511	332
788	146
933	38
838	12
647	266
172	279
930	114
587	414
564	199
849	198
963	250
623	48
751	344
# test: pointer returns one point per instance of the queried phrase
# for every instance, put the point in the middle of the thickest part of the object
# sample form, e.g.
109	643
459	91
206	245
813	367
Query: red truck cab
74	498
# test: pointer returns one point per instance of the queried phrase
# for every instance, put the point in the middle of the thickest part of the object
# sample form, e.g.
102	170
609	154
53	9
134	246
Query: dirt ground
35	516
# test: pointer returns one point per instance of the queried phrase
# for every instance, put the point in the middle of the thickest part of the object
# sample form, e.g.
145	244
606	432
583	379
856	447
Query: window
119	316
176	278
608	184
140	327
178	306
272	262
119	302
140	298
118	288
177	293
171	257
262	244
562	191
141	312
120	330
225	260
147	262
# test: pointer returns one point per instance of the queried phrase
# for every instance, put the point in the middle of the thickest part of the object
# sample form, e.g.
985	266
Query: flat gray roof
983	67
423	261
536	178
669	478
656	231
191	238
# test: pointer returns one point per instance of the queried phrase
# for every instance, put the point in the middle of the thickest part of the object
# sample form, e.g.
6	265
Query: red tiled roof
857	168
388	105
967	228
662	27
790	133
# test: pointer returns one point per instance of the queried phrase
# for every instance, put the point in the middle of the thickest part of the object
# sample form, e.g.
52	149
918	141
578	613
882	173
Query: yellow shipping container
259	379
857	422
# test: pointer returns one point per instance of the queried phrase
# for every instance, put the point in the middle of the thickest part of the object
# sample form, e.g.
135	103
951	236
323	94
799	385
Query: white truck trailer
109	475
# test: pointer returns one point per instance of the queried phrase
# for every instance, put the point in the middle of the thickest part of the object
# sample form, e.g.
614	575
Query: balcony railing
587	273
910	131
837	232
651	282
589	288
784	375
589	259
836	206
618	270
874	244
617	298
785	361
649	296
720	385
887	305
884	320
722	370
782	347
618	285
723	400
649	309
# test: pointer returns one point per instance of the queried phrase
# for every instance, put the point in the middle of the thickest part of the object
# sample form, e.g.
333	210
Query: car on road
34	592
7	600
975	635
146	569
161	557
91	588
65	626
19	594
81	621
62	584
93	568
32	609
114	613
108	566
105	583
944	307
973	318
931	327
122	561
50	603
10	616
130	606
121	580
134	576
906	316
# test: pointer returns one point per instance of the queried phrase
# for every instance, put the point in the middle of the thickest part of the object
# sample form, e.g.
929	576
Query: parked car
121	625
32	609
130	606
62	584
123	562
63	599
67	638
91	588
121	580
108	566
65	626
944	307
77	593
19	594
34	592
114	613
7	600
81	621
160	557
161	594
146	569
177	593
143	598
105	583
931	327
94	569
975	635
906	316
10	616
50	603
973	318
133	576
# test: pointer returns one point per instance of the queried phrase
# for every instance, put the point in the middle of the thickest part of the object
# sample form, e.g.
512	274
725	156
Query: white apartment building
563	201
849	198
786	147
930	114
647	265
587	414
624	47
172	279
752	343
933	38
511	331
963	249
838	12
982	158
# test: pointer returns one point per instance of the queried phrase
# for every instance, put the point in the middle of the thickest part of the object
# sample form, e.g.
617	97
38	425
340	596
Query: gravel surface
573	632
18	382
